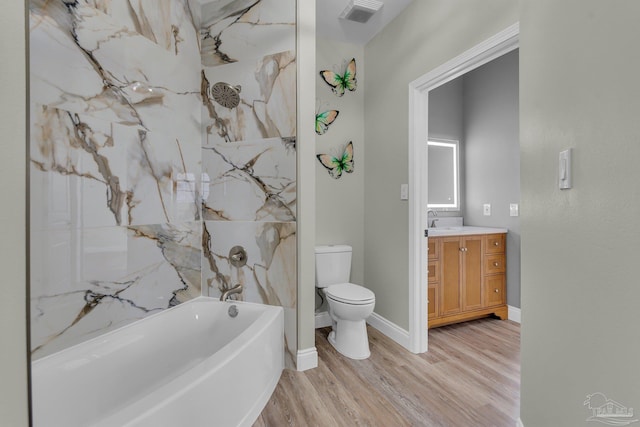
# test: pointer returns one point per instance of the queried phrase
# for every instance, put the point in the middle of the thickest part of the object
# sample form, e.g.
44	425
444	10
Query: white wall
492	155
13	308
579	87
427	34
340	202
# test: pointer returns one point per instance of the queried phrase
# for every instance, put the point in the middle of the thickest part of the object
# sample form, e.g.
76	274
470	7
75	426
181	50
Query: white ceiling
328	25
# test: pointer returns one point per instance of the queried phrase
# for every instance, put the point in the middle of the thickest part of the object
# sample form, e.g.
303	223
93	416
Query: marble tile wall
140	181
249	154
115	165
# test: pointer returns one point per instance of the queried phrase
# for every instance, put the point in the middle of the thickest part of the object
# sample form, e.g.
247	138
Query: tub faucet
235	290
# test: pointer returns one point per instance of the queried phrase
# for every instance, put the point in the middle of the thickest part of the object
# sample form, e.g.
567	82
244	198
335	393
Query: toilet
349	304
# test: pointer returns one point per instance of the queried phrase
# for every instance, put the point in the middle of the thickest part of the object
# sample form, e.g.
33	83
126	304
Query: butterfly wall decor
334	165
324	119
341	82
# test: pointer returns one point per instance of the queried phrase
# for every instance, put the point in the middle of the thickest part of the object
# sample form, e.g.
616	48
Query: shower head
226	95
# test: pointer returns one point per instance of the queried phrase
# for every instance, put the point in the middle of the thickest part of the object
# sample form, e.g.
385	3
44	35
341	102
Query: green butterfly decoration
341	82
324	119
335	166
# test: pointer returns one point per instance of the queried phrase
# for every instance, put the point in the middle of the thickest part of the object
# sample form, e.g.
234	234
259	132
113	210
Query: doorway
492	48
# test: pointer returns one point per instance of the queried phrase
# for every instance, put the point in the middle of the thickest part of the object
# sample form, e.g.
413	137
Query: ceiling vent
361	10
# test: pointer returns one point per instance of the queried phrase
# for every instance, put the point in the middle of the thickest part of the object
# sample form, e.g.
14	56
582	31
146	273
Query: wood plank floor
470	377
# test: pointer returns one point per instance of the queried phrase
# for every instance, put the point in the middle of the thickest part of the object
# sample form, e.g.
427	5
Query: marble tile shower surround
243	30
267	106
116	231
269	277
249	155
253	181
130	156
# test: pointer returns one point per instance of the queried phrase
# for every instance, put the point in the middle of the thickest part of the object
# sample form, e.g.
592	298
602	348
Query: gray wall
13	308
579	69
427	34
446	121
492	155
340	202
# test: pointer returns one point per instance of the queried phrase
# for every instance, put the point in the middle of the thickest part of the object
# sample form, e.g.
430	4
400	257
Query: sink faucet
235	290
433	221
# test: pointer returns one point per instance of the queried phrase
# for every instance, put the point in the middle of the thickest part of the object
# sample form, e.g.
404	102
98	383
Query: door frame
494	47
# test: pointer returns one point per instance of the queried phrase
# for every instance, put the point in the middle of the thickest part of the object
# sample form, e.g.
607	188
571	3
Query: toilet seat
349	293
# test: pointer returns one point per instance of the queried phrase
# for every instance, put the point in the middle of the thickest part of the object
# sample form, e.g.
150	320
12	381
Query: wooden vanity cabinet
433	273
466	278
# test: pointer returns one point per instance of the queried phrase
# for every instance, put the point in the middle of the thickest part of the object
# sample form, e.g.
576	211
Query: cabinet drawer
494	290
433	248
494	264
495	243
434	271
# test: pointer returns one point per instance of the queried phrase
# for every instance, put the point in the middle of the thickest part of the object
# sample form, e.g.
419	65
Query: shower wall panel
140	181
249	154
115	165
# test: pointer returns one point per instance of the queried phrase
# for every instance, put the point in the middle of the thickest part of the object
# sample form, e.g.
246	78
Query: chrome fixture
238	256
233	310
433	221
235	290
226	95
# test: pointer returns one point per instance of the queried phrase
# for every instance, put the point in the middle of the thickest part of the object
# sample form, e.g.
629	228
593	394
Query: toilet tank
333	265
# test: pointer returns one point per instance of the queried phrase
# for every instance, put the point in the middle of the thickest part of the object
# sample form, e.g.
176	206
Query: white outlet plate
513	209
486	209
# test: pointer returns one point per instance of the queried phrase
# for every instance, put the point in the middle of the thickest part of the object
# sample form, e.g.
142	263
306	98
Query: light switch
404	191
513	209
486	209
564	169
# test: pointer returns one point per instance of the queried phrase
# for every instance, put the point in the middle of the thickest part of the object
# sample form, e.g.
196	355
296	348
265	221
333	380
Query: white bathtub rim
41	360
180	384
197	374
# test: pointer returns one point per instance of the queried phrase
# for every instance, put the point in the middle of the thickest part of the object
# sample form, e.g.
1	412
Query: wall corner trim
307	359
519	423
390	329
514	314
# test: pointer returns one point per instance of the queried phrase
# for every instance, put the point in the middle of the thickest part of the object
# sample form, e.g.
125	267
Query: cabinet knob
495	264
496	290
496	243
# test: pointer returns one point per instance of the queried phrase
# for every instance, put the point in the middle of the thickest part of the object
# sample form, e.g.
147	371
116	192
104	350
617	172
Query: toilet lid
349	293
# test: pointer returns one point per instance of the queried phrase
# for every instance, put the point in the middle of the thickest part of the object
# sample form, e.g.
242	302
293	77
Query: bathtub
192	365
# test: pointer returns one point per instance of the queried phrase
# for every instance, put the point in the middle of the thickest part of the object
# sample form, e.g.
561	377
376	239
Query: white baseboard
519	423
390	329
307	359
323	319
514	314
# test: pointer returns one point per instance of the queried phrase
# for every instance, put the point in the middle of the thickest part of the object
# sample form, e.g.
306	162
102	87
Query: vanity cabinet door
433	301
433	248
451	257
472	272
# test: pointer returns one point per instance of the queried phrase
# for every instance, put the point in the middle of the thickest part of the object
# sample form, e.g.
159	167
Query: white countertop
464	231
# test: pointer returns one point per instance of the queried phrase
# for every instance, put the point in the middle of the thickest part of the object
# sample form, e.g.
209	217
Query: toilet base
350	339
